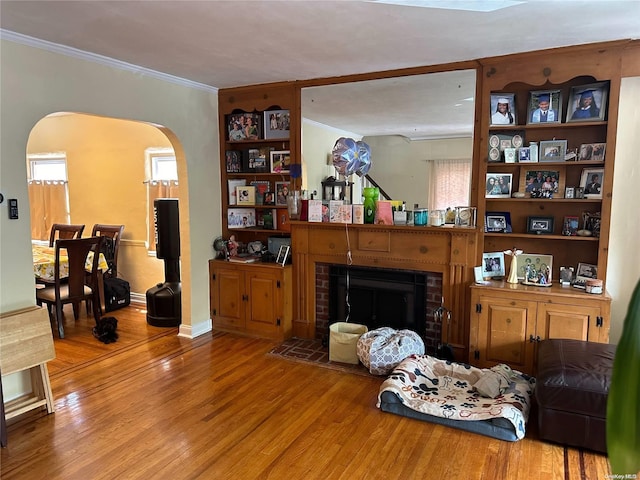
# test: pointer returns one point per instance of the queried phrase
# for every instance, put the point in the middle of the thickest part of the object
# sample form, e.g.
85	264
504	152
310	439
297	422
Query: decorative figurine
513	270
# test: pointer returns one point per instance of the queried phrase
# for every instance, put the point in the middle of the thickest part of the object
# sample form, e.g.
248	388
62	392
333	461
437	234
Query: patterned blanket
445	389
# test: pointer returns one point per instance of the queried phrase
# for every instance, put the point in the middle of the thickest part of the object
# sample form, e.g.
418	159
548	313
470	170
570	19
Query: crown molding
100	59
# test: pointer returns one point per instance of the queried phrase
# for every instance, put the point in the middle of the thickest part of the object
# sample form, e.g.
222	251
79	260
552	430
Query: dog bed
438	391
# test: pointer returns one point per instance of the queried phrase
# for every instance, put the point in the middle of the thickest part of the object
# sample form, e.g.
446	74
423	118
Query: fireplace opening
378	297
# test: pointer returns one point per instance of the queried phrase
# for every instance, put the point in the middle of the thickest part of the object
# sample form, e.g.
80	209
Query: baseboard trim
191	331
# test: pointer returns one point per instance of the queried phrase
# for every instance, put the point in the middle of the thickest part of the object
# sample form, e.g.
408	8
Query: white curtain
158	189
449	183
48	205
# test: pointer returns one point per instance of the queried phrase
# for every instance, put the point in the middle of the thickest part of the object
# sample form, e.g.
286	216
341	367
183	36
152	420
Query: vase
369	204
294	204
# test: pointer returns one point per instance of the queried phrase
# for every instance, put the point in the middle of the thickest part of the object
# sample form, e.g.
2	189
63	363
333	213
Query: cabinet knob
535	339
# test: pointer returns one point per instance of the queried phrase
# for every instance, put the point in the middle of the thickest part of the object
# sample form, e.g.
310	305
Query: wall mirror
407	121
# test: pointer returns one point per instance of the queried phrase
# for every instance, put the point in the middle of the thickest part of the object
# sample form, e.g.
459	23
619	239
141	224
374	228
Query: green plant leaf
623	403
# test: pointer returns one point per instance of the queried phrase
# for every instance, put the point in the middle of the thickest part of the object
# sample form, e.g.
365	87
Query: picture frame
504	116
276	124
493	264
569	192
282	192
497	222
498	141
244	126
591	181
283	255
552	150
570	226
241	218
255	160
498	185
540	225
588	103
535	269
233	161
584	272
543	183
280	161
566	275
592	152
269	198
246	195
545	106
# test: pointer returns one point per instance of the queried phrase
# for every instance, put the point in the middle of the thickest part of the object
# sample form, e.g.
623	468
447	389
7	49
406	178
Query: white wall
623	268
36	82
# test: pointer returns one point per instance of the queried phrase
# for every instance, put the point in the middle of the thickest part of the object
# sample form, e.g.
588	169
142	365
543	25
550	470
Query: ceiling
225	44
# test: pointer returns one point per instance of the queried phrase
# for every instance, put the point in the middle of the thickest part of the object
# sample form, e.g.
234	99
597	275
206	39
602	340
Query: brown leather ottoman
571	391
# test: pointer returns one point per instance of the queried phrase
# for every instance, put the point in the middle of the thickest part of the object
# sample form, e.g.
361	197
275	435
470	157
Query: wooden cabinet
565	72
253	299
508	321
247	159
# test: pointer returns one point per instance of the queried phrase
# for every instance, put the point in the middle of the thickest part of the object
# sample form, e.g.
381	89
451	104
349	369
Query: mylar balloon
344	152
364	156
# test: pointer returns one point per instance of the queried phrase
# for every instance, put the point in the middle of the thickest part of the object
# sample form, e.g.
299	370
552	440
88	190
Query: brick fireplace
427	327
445	254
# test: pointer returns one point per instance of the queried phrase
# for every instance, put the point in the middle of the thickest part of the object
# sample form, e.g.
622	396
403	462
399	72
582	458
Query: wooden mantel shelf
449	250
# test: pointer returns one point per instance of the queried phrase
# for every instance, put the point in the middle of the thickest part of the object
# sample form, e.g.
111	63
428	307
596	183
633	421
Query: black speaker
167	227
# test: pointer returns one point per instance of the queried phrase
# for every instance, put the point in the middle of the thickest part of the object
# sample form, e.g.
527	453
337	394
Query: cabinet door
264	303
575	322
505	328
230	301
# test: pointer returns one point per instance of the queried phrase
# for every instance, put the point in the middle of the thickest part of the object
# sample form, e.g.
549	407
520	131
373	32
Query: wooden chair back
114	232
80	284
64	231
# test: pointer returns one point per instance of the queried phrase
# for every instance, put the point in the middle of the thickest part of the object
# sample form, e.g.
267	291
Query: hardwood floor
154	405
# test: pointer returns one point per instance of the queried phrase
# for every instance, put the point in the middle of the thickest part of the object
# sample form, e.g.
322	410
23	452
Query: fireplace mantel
451	251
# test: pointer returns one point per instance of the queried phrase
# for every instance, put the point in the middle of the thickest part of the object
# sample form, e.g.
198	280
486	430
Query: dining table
44	262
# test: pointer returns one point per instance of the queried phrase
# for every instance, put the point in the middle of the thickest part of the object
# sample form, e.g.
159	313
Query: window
163	163
162	182
48	166
48	193
449	183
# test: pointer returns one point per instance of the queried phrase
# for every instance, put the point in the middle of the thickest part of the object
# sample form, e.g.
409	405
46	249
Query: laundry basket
343	341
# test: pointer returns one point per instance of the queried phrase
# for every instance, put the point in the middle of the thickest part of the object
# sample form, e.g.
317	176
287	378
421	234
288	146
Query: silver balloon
364	157
344	152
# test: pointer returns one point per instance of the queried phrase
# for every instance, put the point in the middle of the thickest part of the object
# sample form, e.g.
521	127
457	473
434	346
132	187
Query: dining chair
79	285
64	231
109	247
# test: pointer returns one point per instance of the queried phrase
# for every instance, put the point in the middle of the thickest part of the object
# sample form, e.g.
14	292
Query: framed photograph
588	103
241	217
535	269
540	225
505	139
255	160
552	150
503	111
592	152
497	222
283	254
280	161
276	124
282	192
569	192
244	126
233	161
493	264
269	198
566	275
498	185
591	182
246	195
543	183
584	272
570	226
545	106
